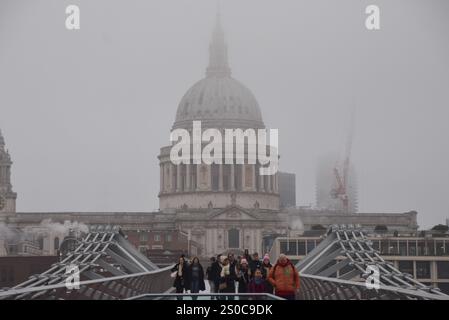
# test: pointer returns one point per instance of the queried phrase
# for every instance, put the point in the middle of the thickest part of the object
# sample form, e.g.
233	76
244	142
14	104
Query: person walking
210	274
257	285
243	275
284	278
179	272
216	271
195	277
255	263
227	284
232	266
266	267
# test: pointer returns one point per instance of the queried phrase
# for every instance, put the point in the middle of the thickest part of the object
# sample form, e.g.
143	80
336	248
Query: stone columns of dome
276	183
172	177
253	176
203	177
165	177
179	178
268	186
188	178
261	181
232	178
243	176
161	179
208	186
220	177
198	167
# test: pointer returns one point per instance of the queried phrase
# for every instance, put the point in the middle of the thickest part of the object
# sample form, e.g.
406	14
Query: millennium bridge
341	267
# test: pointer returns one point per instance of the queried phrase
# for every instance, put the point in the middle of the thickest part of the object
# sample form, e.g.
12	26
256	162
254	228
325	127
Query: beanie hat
266	257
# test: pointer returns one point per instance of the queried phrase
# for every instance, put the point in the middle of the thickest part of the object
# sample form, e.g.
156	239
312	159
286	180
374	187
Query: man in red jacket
285	278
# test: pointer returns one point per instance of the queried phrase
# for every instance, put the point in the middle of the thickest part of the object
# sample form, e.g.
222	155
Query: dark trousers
195	288
179	290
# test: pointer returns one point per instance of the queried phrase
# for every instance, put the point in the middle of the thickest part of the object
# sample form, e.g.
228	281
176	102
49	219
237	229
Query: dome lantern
218	100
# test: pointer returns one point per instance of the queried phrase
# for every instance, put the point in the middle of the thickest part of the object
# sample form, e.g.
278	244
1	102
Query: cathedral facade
213	208
223	206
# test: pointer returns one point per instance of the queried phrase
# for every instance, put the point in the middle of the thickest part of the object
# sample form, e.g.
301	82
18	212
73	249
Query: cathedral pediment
233	213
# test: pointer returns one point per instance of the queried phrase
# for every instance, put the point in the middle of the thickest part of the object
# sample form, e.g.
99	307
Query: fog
84	113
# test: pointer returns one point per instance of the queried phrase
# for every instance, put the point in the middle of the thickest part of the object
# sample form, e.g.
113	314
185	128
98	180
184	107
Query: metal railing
207	296
338	268
325	288
108	266
119	287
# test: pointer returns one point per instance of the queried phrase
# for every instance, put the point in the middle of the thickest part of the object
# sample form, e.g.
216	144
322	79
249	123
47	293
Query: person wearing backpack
284	278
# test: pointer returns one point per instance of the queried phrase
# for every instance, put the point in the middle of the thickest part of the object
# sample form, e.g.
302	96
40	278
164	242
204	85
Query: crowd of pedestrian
247	274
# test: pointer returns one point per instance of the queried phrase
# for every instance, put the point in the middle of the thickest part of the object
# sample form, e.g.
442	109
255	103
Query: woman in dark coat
195	277
227	279
215	273
243	276
181	279
265	269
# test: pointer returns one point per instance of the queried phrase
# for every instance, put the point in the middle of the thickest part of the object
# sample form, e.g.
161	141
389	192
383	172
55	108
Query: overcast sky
84	113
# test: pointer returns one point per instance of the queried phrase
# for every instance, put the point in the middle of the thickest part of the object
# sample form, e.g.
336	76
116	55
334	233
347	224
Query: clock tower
7	196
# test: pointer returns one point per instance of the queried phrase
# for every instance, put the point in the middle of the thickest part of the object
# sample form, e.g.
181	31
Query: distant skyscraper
326	182
287	189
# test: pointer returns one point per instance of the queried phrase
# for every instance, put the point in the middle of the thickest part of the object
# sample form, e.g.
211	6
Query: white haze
85	113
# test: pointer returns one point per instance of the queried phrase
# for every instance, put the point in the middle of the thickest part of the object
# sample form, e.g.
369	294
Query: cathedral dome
218	100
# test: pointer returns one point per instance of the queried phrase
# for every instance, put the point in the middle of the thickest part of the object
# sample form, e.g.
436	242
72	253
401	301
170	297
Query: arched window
56	243
234	238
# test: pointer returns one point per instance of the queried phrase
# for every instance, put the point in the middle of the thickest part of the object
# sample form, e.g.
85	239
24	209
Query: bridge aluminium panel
338	269
109	268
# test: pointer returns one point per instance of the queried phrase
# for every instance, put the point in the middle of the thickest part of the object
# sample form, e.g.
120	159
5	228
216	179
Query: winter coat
209	273
284	278
255	264
260	287
265	273
215	270
189	278
243	278
228	277
181	282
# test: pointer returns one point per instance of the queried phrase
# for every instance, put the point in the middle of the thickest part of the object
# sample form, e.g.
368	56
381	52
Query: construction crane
342	177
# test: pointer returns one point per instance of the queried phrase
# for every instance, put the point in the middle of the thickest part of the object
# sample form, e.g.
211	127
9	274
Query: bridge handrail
13	292
417	293
174	295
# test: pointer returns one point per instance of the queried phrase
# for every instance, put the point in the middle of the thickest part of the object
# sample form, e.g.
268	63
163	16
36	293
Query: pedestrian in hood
284	278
